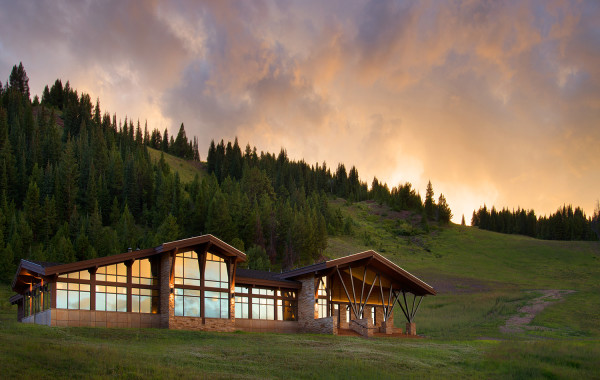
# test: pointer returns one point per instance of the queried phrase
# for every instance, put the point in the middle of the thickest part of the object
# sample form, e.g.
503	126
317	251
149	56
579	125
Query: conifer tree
429	202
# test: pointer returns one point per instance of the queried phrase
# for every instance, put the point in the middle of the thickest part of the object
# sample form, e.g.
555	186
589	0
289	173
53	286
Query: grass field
482	278
186	170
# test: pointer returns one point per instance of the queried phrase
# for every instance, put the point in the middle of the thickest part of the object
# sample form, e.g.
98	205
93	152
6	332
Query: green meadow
187	169
482	279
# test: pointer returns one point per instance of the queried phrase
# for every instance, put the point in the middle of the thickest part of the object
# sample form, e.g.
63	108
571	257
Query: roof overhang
400	277
28	271
215	245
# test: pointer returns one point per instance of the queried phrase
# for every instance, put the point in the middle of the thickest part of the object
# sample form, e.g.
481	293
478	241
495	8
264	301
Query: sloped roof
374	260
261	277
29	270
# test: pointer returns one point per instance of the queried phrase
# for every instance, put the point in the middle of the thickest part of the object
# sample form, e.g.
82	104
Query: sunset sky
494	102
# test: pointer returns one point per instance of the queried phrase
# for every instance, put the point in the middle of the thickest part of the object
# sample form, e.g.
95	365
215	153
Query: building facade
196	284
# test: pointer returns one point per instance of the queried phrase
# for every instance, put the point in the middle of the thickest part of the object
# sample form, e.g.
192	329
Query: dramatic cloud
495	102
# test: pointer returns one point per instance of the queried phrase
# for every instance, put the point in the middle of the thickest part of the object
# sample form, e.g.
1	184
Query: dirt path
520	322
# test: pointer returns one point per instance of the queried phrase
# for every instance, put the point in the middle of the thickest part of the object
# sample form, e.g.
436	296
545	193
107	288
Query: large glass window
187	302
287	310
263	308
144	300
241	302
72	296
216	304
263	292
322	307
111	298
144	272
112	273
216	272
187	271
322	298
82	275
241	307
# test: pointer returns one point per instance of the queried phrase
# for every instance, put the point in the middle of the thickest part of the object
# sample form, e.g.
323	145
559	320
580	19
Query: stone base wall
411	329
193	323
388	328
259	325
90	318
363	326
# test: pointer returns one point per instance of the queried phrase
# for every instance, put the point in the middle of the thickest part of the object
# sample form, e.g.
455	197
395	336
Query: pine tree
429	202
165	142
32	208
168	231
68	176
218	221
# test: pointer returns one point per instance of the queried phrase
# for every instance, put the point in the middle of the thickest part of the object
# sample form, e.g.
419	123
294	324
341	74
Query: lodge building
196	284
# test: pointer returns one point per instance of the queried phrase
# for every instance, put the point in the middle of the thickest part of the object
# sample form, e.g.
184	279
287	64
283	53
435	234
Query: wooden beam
391	308
382	299
353	293
405	312
417	309
406	306
362	291
172	275
347	294
370	290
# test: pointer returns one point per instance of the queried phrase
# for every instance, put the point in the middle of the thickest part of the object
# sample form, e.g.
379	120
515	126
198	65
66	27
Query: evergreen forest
78	183
565	224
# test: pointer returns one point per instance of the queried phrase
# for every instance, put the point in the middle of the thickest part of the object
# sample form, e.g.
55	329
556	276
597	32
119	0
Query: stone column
411	328
167	299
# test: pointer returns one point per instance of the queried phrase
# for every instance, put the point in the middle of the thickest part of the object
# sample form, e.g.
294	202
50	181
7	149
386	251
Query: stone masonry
308	320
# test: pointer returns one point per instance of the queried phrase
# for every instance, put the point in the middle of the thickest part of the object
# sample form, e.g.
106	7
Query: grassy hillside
482	278
186	169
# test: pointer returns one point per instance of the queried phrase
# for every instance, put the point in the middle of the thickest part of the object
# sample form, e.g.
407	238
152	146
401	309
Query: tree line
77	183
78	110
565	224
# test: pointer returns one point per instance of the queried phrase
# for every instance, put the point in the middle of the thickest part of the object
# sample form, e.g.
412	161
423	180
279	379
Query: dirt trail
520	322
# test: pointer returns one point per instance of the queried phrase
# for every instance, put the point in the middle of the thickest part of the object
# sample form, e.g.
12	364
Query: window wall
265	303
191	291
187	302
111	287
73	291
111	298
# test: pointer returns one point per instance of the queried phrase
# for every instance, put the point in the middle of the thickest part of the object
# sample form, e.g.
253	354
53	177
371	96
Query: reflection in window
187	302
241	307
215	272
187	271
241	301
263	292
216	304
72	296
144	272
82	275
263	308
112	273
111	298
322	307
322	298
144	300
